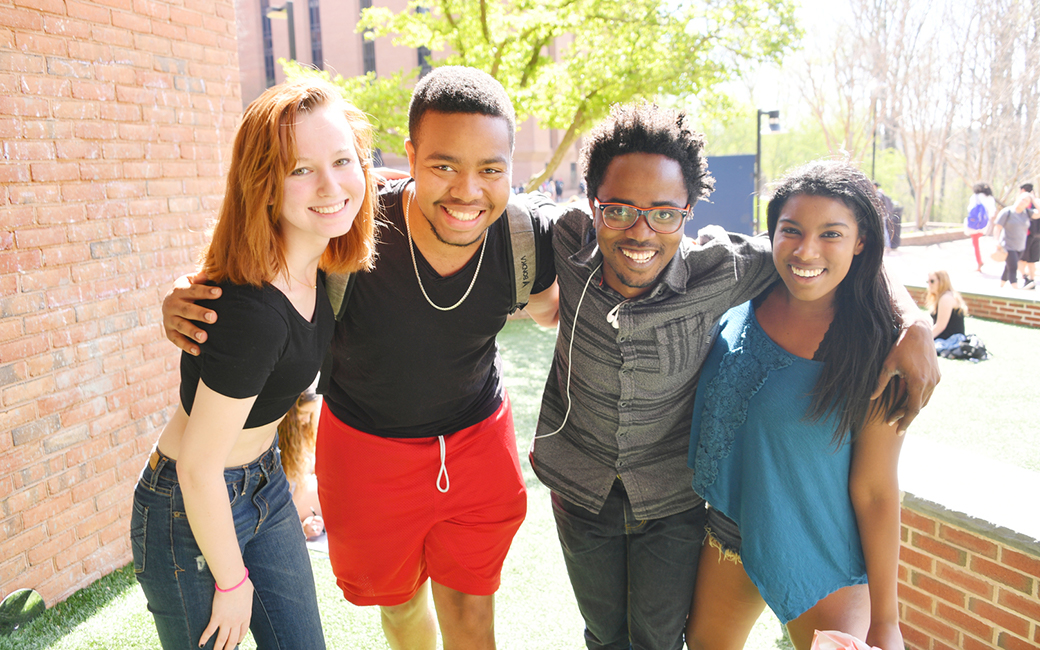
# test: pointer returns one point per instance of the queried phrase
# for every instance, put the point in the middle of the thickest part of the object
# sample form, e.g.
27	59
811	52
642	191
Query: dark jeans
633	578
1011	267
179	586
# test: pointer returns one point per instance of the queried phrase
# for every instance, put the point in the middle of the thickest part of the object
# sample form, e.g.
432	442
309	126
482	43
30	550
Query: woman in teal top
798	465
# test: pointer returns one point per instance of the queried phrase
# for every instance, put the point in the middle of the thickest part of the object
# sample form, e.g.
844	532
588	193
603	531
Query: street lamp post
774	126
285	12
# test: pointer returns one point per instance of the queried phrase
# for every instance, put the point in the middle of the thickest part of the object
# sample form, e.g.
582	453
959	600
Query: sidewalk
911	264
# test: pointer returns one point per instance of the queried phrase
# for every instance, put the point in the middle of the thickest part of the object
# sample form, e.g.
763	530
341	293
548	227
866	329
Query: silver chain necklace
411	248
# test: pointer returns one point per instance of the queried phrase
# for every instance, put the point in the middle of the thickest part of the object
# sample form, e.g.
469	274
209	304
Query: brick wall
1005	310
965	588
115	117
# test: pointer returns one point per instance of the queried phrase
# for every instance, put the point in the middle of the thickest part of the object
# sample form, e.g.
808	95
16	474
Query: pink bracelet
240	583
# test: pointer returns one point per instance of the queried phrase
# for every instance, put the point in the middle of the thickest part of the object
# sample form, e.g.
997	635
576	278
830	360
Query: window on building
368	48
265	24
317	58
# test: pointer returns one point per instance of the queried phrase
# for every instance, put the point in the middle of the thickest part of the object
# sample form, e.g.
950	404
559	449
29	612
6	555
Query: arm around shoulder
179	310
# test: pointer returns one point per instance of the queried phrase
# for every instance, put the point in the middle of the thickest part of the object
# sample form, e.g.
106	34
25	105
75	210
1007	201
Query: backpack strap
522	250
338	287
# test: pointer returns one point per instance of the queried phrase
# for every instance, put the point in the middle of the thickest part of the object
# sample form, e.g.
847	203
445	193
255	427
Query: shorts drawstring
444	470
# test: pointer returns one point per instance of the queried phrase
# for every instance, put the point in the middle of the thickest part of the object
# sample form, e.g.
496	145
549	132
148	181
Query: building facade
325	37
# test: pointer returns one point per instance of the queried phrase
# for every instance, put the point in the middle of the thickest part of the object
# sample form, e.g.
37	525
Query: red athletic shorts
390	523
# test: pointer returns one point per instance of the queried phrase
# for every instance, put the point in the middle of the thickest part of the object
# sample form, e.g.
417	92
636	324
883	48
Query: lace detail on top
742	372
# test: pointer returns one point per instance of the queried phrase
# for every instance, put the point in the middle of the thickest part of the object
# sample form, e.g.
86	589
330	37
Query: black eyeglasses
621	216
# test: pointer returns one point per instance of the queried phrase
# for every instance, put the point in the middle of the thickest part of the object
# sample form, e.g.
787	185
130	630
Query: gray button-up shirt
631	389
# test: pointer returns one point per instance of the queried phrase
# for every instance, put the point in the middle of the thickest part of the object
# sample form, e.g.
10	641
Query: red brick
1002	574
940	549
37	43
966	622
1026	563
18	261
1002	618
97	522
971	643
75	110
14	173
937	588
913	638
1028	607
916	597
20	349
1010	642
45	86
83	412
88	11
23	150
931	625
42	513
39	237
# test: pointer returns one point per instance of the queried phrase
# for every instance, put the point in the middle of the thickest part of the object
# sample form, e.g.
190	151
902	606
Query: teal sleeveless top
778	476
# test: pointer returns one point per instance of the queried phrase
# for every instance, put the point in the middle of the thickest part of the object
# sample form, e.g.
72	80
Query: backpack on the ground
969	347
977	217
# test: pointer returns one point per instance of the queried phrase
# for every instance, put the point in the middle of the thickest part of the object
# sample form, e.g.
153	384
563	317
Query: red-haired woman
216	541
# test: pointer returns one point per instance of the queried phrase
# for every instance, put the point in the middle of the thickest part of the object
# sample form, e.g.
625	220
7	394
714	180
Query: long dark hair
866	323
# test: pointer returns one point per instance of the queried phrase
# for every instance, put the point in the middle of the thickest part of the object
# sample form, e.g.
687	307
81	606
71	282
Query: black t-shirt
403	369
260	345
954	326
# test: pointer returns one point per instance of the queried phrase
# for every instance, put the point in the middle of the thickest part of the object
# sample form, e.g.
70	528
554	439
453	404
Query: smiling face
815	241
633	259
462	164
324	190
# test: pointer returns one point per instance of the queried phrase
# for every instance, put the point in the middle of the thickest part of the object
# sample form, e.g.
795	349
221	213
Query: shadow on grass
58	621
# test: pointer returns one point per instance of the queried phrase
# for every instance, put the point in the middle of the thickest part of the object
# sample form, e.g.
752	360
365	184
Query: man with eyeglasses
639	303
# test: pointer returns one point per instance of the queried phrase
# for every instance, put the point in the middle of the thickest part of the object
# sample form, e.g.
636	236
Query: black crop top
260	345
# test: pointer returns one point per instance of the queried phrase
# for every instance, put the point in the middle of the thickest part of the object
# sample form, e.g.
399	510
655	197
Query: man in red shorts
417	462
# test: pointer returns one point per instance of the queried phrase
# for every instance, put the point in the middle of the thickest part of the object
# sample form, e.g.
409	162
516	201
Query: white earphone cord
570	349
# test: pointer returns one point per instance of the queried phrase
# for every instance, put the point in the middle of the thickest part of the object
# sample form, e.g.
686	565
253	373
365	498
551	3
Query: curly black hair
647	128
459	89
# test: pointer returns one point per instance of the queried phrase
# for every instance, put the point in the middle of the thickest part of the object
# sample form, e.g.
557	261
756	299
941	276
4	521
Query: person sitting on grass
945	305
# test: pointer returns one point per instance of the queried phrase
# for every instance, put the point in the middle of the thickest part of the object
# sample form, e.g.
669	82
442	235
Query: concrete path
911	264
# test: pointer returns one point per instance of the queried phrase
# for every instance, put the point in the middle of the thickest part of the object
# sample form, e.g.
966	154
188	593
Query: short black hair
646	128
982	188
1026	187
459	89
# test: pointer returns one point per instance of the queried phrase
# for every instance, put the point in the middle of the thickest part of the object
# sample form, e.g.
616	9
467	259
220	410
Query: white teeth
806	273
330	209
463	216
638	256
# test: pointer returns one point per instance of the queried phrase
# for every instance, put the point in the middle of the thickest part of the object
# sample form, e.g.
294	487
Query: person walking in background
945	305
1010	229
797	463
981	208
216	541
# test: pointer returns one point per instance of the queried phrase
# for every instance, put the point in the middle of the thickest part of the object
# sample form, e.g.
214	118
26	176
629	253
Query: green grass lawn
982	407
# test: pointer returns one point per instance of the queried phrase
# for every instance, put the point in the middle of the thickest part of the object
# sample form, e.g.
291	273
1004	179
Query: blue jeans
633	578
178	584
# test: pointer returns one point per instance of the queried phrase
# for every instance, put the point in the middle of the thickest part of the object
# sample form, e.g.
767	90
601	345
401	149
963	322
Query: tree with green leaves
565	62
